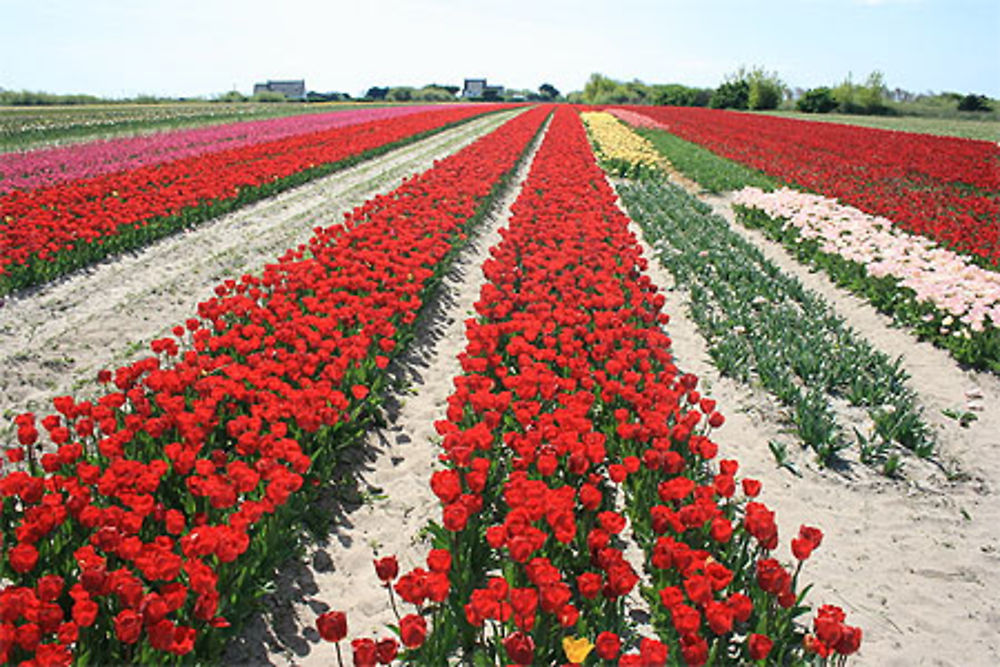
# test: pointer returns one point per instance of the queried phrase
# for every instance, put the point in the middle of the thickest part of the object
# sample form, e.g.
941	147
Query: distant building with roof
292	89
477	88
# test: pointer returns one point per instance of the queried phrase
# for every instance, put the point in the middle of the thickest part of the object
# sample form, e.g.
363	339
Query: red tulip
332	625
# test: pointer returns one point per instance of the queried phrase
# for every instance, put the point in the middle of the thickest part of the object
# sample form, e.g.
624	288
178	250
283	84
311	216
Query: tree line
752	88
755	88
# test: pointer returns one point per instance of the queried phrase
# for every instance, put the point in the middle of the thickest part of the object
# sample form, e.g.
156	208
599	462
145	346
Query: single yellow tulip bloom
577	650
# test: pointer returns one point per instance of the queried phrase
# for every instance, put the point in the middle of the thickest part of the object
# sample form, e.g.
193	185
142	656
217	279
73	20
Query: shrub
817	100
862	99
764	94
872	95
603	90
548	92
400	94
598	89
269	96
731	95
753	89
232	96
972	102
27	98
433	94
677	95
766	89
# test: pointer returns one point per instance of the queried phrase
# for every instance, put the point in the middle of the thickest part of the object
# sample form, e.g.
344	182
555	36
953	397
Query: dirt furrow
54	339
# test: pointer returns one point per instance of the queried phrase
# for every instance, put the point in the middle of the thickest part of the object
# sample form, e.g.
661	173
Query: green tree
548	92
599	89
635	92
400	94
844	94
451	90
766	90
817	100
433	93
755	88
972	102
871	96
677	95
731	95
862	99
27	98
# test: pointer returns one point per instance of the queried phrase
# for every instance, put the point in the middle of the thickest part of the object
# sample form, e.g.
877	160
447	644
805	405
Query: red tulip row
160	507
570	435
49	231
945	188
46	166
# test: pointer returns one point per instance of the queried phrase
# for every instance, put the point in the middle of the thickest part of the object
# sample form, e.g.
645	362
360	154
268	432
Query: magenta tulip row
48	166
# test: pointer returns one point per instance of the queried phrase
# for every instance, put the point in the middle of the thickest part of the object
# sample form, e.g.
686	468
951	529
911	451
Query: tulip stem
340	659
392	601
31	459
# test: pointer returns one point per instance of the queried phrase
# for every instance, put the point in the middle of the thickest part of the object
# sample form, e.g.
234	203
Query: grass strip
712	172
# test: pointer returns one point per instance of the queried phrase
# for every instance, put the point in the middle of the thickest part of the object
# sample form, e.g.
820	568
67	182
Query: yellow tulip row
614	141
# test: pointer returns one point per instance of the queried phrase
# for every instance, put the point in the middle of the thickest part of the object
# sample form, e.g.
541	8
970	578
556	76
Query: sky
121	48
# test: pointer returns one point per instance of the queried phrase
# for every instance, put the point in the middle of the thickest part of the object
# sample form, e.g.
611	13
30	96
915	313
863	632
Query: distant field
32	127
972	128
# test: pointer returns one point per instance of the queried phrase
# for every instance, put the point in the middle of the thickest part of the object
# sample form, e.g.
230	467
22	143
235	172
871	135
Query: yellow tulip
614	140
577	649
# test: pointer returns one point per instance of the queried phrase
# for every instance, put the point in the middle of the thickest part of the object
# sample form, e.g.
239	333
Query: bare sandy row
394	502
916	562
54	339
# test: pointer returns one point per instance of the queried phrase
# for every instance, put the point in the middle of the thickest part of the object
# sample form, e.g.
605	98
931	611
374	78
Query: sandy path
54	339
915	563
395	501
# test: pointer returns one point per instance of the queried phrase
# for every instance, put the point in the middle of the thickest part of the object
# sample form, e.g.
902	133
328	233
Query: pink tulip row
936	274
32	169
944	188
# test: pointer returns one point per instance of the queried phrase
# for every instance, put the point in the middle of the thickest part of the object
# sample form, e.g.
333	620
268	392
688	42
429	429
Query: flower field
938	292
570	406
50	230
619	149
944	188
268	409
946	297
26	128
33	169
658	444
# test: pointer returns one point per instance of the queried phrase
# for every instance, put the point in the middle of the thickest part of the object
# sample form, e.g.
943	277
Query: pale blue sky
203	47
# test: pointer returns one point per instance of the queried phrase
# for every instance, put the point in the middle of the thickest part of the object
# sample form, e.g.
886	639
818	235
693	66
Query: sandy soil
914	562
54	339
